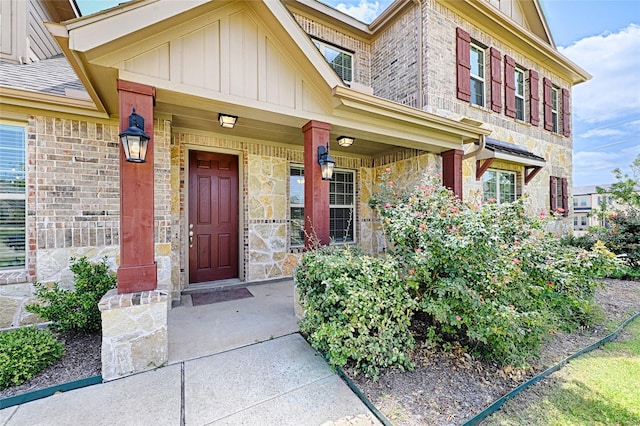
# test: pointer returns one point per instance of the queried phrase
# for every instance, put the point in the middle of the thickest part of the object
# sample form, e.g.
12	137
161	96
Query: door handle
190	235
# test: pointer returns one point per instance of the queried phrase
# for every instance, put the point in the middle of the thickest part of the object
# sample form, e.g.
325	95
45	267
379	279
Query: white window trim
479	78
554	109
321	45
337	206
20	197
498	189
520	96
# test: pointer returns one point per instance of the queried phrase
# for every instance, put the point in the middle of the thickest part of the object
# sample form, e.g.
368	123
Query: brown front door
213	216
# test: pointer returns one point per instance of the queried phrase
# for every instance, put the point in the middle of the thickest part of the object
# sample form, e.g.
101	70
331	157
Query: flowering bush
488	276
356	308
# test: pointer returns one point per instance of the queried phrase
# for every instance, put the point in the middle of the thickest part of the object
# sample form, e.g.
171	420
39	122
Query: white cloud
364	11
594	167
600	133
613	59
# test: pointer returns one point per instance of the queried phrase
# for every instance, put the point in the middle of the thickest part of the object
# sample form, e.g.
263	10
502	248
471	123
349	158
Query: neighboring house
475	90
586	202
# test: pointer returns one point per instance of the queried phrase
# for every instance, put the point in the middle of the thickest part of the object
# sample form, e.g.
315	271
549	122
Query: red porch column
137	271
452	170
316	190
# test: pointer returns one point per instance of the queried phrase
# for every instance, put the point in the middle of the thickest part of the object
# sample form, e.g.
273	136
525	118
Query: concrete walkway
279	381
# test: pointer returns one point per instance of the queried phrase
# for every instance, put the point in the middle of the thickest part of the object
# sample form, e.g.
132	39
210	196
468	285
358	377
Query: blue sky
602	37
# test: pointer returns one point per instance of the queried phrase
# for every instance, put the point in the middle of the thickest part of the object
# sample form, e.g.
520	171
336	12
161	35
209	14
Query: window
559	195
583	201
477	75
499	185
340	60
583	220
554	109
341	205
519	93
12	197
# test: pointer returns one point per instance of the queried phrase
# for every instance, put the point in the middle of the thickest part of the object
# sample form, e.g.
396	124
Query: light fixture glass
345	141
134	140
227	121
327	163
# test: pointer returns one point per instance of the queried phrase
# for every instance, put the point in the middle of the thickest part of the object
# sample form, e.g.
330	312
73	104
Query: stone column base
134	332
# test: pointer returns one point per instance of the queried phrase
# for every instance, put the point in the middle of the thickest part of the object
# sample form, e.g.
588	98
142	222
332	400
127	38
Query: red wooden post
316	191
452	170
137	271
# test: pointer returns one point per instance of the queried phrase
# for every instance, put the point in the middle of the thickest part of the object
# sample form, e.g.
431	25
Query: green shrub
75	309
491	277
24	352
357	308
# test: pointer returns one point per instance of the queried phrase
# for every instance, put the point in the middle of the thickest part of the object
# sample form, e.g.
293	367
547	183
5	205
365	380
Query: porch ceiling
257	125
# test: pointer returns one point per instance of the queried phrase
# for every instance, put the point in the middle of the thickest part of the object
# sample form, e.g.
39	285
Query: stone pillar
316	190
452	170
138	270
134	332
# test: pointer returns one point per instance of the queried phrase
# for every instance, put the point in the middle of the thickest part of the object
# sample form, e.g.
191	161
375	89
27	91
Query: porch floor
197	331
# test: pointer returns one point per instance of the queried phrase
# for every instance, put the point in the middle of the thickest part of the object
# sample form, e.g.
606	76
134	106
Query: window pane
341	224
489	185
12	159
477	92
520	109
341	62
477	62
507	187
12	233
296	186
297	226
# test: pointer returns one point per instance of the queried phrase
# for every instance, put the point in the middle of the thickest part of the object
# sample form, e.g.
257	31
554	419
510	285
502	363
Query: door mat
216	296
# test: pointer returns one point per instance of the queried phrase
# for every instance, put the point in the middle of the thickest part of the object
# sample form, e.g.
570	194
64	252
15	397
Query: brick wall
394	61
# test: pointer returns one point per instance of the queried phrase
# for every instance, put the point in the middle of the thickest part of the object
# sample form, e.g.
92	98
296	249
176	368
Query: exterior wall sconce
345	141
326	162
227	121
134	140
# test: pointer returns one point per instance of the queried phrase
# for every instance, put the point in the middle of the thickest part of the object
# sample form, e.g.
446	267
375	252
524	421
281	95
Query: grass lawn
599	388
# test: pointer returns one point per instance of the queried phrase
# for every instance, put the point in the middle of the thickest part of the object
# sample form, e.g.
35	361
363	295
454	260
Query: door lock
190	235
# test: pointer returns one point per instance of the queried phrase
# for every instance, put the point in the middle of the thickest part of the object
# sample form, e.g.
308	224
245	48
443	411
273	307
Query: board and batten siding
228	52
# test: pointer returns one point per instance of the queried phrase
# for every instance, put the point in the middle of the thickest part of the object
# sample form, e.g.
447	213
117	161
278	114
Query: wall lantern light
326	162
227	121
134	140
345	141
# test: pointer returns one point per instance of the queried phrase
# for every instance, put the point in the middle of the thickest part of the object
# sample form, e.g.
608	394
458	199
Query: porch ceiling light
345	141
134	140
227	121
326	162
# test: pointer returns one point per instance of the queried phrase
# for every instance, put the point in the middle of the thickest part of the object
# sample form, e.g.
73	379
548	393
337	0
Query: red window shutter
566	113
554	192
463	64
534	98
509	86
546	88
496	80
565	197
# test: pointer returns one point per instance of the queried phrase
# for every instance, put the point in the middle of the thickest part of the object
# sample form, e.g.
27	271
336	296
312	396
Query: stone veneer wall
73	206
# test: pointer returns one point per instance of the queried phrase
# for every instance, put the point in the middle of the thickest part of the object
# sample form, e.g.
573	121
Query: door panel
213	216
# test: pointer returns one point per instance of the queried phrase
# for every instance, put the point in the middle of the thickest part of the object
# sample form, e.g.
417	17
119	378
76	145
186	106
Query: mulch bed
80	361
448	388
